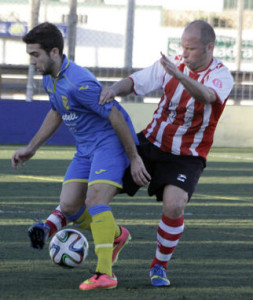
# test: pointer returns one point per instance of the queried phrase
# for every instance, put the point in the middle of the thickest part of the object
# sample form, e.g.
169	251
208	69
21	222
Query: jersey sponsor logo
100	171
83	88
181	177
69	117
217	83
65	102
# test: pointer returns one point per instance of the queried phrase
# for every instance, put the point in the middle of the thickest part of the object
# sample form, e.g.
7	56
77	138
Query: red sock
56	220
168	235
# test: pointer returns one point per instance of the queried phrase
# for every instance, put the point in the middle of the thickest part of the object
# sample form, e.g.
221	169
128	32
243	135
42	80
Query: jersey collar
64	66
200	71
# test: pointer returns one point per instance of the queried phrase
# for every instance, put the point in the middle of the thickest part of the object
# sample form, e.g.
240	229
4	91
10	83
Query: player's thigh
100	193
72	198
74	186
174	201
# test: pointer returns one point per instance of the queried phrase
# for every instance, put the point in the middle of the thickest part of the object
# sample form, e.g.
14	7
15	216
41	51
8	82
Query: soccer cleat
158	276
38	234
99	281
119	243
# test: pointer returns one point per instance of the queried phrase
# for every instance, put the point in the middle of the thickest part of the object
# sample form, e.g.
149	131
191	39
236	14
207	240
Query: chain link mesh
113	38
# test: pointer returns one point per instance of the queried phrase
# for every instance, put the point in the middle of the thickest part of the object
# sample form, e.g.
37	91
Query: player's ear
210	46
54	52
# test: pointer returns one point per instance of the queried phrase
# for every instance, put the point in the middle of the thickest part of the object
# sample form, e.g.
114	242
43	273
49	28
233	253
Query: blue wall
20	120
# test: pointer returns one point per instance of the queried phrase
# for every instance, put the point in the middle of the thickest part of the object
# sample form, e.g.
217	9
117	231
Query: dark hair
47	35
206	31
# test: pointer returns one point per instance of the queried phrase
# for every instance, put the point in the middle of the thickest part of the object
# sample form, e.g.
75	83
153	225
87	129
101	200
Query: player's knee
174	208
174	201
173	211
93	198
68	209
98	194
88	202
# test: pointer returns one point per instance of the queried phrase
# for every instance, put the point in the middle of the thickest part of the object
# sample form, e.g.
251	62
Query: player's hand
139	172
107	95
21	156
170	67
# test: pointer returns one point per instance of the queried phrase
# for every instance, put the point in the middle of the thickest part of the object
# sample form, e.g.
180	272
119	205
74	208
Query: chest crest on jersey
65	102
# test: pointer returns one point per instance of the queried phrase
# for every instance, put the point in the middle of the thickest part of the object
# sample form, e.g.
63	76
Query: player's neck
57	67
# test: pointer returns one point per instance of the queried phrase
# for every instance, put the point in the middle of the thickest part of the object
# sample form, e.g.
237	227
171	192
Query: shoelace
159	270
37	220
96	273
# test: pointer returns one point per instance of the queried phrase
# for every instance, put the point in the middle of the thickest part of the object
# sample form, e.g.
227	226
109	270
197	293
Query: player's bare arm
197	90
120	88
49	126
138	170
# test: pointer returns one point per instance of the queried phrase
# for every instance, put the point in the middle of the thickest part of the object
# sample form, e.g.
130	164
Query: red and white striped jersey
182	125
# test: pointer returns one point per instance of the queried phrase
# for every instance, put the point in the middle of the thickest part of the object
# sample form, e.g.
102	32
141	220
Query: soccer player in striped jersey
175	144
105	147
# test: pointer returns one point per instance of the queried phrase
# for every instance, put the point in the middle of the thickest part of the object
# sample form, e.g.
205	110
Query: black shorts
165	169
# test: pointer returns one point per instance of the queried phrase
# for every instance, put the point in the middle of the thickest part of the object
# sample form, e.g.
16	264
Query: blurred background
125	35
113	38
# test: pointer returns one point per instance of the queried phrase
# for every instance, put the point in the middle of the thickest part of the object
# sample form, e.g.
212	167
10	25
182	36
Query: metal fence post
34	17
72	21
240	7
129	34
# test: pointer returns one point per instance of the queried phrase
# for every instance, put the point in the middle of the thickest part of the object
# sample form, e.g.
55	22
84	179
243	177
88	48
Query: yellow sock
103	231
84	220
117	231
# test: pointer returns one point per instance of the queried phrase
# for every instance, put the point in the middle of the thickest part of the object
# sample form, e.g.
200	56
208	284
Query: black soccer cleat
38	234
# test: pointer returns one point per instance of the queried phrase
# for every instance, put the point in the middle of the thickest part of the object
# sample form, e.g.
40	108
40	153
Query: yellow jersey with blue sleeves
74	93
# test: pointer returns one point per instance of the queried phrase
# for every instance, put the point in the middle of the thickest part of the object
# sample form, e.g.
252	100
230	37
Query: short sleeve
148	79
221	81
88	96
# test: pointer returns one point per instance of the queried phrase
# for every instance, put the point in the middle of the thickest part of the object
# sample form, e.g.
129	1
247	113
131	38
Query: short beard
48	68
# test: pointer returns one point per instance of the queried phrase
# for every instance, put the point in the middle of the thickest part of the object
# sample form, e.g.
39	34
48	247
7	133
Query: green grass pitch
214	258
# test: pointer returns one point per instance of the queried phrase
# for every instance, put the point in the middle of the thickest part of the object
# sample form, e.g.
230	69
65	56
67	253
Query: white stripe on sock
171	230
56	221
162	257
103	246
166	243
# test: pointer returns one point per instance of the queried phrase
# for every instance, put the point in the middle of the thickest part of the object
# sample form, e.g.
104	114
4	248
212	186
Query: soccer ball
68	248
